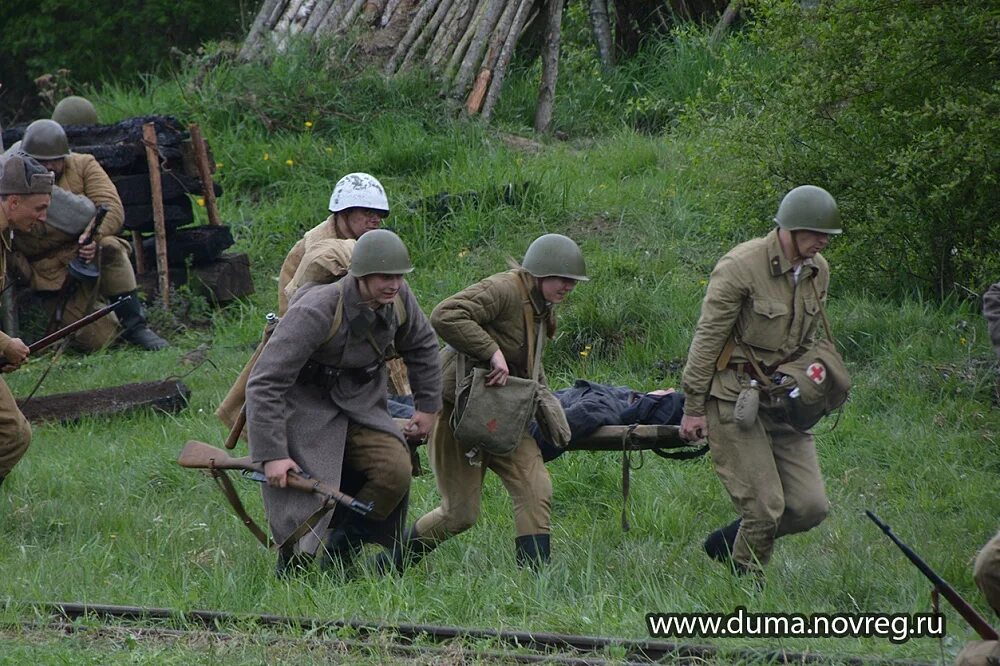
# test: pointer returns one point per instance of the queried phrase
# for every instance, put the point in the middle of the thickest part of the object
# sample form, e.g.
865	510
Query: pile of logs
157	166
468	44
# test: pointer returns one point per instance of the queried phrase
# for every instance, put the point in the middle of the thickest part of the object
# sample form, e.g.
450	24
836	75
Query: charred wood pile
469	44
126	154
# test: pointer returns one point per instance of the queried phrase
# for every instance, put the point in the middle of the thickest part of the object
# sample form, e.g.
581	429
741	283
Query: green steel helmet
380	251
555	254
810	208
75	110
45	140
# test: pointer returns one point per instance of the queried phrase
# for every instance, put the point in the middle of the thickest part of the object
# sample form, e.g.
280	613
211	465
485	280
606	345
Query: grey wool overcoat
290	419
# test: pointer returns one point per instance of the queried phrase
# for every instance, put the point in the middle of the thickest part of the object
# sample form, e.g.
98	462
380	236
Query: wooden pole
477	48
205	171
140	256
550	67
506	52
453	25
159	223
474	102
416	23
429	30
728	17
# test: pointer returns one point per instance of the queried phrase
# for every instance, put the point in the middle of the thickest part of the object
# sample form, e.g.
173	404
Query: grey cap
20	174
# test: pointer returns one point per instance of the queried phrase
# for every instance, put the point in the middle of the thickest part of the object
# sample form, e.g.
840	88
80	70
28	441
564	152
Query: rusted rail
418	638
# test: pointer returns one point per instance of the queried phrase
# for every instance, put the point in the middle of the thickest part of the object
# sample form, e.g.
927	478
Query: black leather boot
1	479
344	542
532	550
406	552
291	563
719	544
132	316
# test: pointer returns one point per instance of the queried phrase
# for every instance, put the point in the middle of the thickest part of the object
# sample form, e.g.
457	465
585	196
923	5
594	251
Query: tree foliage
99	39
892	105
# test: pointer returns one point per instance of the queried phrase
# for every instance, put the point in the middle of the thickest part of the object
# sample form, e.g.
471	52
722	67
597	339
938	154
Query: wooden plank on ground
166	396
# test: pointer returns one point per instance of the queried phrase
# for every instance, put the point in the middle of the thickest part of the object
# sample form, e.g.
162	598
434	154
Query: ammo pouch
325	376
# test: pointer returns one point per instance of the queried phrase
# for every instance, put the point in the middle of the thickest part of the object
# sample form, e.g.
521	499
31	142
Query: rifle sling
226	486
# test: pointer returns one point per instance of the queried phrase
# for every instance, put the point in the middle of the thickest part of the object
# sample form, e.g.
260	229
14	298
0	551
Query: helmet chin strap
796	256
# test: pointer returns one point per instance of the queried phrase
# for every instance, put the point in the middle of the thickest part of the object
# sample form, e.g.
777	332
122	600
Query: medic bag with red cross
803	390
810	387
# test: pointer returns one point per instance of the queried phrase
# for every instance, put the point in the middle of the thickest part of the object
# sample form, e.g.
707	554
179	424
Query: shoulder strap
338	316
400	308
535	346
822	312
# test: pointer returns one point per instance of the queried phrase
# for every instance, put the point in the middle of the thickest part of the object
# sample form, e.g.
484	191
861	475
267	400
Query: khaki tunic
287	418
769	469
987	574
15	431
477	321
487	316
751	289
326	230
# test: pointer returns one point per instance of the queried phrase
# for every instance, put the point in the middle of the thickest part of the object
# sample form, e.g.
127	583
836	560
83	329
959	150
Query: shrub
892	106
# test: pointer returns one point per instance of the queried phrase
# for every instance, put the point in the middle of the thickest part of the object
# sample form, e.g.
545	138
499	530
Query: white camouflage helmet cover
358	190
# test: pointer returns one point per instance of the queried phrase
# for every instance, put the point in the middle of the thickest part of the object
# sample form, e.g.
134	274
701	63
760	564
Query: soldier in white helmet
357	205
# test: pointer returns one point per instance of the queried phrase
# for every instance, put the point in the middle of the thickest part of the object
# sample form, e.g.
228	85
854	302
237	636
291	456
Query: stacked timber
468	44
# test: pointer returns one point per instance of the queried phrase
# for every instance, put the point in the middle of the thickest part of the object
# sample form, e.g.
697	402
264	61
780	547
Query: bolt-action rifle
975	620
199	455
70	329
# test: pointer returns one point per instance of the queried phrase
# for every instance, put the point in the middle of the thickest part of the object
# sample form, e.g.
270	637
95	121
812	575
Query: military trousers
384	462
15	431
460	485
771	473
117	277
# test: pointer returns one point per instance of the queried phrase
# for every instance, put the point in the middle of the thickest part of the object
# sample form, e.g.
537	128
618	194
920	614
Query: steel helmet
810	208
555	254
380	251
358	190
75	110
45	140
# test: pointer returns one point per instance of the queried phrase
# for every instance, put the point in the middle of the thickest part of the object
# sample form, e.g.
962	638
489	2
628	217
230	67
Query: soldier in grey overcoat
316	399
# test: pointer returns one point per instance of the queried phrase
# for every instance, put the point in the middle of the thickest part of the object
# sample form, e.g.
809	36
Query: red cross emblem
492	425
816	372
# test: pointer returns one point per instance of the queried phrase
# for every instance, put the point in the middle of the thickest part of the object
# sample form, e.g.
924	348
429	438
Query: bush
97	40
894	107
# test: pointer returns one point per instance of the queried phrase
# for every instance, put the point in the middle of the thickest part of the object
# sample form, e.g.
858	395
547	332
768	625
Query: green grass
99	512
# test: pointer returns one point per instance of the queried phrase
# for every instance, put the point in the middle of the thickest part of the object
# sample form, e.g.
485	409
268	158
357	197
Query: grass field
99	512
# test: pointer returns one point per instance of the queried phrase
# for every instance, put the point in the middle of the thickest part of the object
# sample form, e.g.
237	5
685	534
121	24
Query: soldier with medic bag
758	328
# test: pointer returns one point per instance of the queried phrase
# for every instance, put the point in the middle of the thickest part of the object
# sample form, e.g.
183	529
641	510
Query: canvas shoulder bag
494	418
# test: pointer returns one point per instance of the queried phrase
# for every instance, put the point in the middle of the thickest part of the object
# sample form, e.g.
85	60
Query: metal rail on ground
406	638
